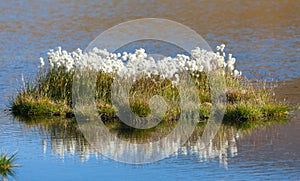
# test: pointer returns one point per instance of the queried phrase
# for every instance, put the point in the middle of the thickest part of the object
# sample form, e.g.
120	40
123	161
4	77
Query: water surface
263	35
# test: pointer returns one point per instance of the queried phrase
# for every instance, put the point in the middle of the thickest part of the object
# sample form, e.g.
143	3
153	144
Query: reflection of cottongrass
223	146
66	140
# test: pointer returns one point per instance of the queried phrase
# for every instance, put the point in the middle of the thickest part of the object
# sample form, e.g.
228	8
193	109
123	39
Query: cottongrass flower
42	63
138	64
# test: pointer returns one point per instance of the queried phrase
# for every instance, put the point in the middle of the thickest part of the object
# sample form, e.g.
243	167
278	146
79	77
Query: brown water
263	35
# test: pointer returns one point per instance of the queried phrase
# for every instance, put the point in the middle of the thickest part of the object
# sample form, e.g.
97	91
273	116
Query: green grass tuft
7	164
51	95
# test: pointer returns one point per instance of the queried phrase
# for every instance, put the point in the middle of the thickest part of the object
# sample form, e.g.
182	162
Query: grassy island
51	93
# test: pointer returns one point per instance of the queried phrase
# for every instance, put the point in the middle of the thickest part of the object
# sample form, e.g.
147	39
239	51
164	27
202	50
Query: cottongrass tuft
51	93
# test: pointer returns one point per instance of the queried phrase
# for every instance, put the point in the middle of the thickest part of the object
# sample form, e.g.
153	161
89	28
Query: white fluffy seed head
137	64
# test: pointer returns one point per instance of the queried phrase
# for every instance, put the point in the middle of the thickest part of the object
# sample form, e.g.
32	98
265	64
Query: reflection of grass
51	95
65	133
128	133
56	127
7	164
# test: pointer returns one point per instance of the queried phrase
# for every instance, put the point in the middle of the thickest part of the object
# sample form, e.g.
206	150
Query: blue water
263	35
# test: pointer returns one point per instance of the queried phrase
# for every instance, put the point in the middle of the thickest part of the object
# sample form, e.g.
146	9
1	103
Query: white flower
59	50
201	68
231	61
222	46
42	63
230	67
236	73
138	64
51	64
174	83
69	67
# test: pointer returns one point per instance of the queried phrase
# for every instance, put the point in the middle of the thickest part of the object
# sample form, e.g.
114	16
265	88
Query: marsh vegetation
50	94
